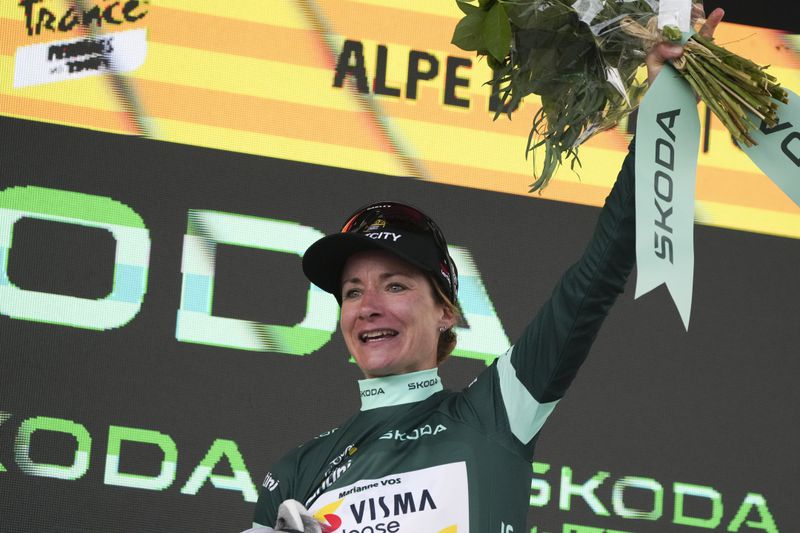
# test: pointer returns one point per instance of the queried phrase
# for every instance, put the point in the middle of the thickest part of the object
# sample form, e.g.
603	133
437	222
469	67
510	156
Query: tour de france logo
103	46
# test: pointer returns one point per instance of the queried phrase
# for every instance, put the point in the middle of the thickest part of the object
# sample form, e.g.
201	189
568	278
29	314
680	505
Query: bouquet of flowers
582	56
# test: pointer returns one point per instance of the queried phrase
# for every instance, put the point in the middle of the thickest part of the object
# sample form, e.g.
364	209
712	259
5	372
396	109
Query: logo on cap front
384	235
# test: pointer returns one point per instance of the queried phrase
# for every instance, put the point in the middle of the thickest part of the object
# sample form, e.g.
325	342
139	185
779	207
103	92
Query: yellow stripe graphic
259	80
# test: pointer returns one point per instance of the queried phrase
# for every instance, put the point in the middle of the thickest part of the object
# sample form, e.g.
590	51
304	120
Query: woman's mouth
376	335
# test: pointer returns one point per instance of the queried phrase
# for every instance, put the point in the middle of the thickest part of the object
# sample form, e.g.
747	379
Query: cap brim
324	260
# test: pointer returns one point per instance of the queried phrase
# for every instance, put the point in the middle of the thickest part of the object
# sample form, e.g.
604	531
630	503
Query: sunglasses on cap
404	216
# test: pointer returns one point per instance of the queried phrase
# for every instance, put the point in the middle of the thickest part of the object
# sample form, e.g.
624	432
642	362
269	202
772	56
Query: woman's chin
376	370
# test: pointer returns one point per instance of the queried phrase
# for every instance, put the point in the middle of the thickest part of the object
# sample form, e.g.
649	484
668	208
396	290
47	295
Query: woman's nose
370	305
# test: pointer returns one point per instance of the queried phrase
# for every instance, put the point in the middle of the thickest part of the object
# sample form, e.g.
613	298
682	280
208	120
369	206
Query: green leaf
466	7
486	4
468	34
497	32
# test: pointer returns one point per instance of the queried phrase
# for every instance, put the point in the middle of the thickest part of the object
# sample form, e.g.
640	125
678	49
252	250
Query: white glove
292	518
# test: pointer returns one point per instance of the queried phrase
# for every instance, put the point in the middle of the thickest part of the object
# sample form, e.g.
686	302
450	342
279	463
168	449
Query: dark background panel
776	14
716	406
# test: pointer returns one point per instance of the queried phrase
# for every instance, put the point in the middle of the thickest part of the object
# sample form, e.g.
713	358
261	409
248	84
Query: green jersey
418	458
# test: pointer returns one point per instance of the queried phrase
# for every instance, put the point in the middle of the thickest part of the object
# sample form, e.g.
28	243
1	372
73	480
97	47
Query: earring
442	329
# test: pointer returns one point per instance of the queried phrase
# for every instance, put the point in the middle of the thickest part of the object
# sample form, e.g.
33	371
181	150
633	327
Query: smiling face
390	319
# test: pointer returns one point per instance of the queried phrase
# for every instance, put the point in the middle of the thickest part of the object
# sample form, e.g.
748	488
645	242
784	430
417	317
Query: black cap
396	228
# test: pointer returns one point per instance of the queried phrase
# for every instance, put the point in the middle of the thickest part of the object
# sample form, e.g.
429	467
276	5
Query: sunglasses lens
396	214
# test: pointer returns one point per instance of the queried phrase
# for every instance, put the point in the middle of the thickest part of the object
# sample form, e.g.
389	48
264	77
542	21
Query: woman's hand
663	52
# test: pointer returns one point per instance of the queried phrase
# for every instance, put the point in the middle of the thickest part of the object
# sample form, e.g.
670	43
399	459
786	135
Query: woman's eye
395	287
352	293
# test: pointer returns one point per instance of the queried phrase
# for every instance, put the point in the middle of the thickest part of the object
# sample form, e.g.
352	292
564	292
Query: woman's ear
448	318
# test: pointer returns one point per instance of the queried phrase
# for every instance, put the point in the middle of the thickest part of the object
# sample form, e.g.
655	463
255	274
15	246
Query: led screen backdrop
159	348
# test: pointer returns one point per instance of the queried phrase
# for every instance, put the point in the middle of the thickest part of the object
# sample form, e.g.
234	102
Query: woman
418	458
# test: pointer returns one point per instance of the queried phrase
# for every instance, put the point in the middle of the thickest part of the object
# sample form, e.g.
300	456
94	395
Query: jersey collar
399	389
